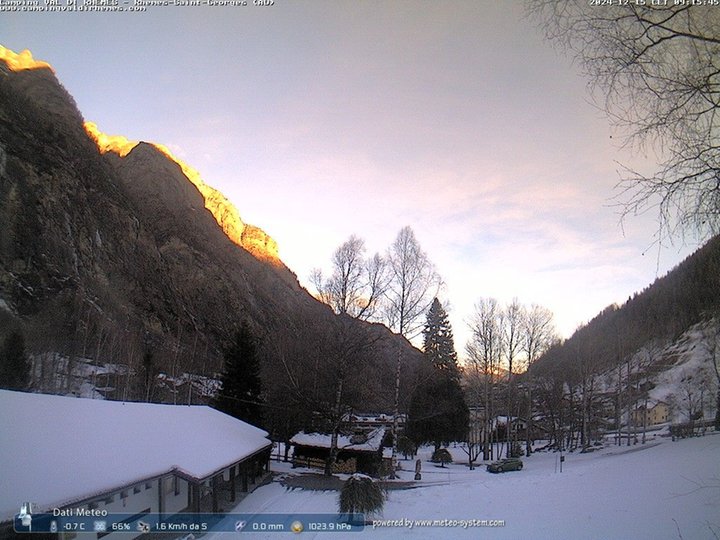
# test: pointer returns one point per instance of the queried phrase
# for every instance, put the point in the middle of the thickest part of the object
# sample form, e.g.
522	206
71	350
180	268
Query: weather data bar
187	523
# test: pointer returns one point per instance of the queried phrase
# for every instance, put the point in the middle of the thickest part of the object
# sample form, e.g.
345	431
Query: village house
131	458
373	420
657	412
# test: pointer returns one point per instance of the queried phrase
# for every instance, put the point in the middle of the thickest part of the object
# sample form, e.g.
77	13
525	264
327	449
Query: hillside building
655	413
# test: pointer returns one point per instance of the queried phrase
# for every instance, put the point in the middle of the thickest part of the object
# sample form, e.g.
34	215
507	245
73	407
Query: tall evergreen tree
14	363
438	412
438	342
240	393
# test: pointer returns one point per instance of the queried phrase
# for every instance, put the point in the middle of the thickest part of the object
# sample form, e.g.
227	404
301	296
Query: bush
516	450
361	495
441	456
14	363
406	447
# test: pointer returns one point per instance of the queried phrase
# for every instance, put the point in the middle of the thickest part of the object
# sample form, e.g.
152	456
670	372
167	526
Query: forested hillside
687	295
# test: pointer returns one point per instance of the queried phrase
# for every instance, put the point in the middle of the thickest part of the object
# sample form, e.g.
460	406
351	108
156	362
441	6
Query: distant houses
130	458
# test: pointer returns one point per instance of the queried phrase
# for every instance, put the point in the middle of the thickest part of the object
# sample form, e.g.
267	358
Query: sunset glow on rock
109	143
22	61
251	238
227	216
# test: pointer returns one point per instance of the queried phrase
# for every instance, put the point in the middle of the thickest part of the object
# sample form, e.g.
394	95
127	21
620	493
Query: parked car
503	465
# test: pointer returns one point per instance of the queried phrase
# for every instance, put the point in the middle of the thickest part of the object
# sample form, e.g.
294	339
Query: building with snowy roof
130	458
357	452
651	413
373	420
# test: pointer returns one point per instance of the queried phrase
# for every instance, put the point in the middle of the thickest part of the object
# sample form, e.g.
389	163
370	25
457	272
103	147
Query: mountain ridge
249	237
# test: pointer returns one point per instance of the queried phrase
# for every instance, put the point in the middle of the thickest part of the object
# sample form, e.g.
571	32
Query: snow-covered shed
60	452
357	452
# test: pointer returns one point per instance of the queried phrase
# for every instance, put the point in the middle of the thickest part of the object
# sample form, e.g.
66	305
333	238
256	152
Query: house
517	424
131	458
482	429
373	420
657	412
357	452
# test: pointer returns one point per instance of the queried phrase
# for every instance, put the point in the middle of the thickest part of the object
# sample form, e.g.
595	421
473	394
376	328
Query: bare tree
655	71
512	332
538	336
356	284
473	446
511	340
687	398
647	359
350	346
376	282
412	286
314	372
484	351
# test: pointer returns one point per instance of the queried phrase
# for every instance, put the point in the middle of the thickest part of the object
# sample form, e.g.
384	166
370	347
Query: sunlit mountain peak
22	61
251	238
109	143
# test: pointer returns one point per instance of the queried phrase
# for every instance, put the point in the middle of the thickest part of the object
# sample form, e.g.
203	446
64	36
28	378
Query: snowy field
655	491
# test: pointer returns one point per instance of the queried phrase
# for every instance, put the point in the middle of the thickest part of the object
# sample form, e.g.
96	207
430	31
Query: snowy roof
372	417
502	419
58	450
320	440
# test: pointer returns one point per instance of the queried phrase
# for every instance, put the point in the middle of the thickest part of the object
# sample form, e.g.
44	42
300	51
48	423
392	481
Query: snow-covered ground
659	490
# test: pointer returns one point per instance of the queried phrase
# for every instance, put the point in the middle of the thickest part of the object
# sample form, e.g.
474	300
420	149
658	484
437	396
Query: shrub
441	456
406	447
361	494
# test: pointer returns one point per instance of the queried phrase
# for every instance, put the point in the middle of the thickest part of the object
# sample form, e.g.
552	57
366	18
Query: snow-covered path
656	491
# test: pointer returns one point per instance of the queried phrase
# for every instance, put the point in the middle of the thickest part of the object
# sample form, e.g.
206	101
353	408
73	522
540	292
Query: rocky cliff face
226	215
116	250
82	224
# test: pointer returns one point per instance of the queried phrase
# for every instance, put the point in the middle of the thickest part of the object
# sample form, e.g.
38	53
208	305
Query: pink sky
322	119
